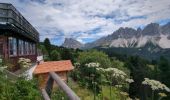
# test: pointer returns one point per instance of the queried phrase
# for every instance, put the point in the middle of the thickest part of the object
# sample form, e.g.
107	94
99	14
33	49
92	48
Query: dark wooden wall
4	49
43	78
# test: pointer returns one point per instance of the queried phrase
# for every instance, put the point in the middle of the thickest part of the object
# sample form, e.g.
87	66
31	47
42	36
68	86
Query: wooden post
49	85
54	77
71	95
45	95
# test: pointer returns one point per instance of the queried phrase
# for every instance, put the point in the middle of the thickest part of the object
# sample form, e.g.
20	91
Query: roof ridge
56	66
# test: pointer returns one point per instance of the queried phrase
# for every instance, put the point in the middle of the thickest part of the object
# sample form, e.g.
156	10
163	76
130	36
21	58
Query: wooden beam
45	95
71	95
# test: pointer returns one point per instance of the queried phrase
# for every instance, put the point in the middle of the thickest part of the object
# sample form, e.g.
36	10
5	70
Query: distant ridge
129	38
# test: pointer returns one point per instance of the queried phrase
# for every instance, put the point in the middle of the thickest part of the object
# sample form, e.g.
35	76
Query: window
12	46
26	48
20	47
3	12
24	45
30	48
33	48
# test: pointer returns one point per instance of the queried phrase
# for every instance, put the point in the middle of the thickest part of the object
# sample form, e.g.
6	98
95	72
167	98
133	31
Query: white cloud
78	18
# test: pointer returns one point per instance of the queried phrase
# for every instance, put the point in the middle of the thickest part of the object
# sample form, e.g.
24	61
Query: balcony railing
53	77
9	15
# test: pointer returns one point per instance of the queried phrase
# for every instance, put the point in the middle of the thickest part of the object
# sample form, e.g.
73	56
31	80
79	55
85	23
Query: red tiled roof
56	66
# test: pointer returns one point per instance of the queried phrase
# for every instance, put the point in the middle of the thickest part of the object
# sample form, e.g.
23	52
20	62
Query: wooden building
18	38
59	67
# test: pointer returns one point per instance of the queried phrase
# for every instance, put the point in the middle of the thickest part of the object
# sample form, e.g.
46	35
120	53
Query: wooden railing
10	75
53	77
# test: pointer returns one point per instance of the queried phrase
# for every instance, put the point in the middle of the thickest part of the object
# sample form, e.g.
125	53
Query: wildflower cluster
118	86
124	93
162	94
129	80
155	85
23	62
77	65
116	73
102	70
93	65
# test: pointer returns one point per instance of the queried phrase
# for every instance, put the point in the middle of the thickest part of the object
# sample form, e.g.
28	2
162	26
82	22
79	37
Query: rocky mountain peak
151	29
125	32
166	29
72	43
139	30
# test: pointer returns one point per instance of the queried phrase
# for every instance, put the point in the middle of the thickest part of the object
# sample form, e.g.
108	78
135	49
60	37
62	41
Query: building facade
18	38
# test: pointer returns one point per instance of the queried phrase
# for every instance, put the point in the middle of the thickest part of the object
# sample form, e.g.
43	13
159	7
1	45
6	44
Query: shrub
94	56
55	55
88	62
20	89
7	64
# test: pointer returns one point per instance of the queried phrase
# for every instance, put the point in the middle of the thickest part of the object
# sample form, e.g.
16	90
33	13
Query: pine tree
138	71
47	45
164	67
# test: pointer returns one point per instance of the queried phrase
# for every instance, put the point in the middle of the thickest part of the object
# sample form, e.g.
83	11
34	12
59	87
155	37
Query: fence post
45	95
71	95
49	85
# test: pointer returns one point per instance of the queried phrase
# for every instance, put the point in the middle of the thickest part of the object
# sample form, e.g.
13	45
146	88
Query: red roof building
60	67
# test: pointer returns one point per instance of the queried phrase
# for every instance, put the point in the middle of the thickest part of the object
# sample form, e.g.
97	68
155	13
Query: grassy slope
86	94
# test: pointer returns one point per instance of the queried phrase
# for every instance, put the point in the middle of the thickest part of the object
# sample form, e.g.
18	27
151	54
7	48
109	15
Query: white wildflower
144	83
109	69
167	89
92	65
118	86
23	62
129	98
162	94
100	69
129	80
155	85
116	73
124	93
77	64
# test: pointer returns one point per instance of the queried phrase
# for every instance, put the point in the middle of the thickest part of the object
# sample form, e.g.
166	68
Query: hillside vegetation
94	70
98	76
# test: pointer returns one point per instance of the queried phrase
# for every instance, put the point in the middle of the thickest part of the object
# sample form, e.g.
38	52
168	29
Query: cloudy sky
88	20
